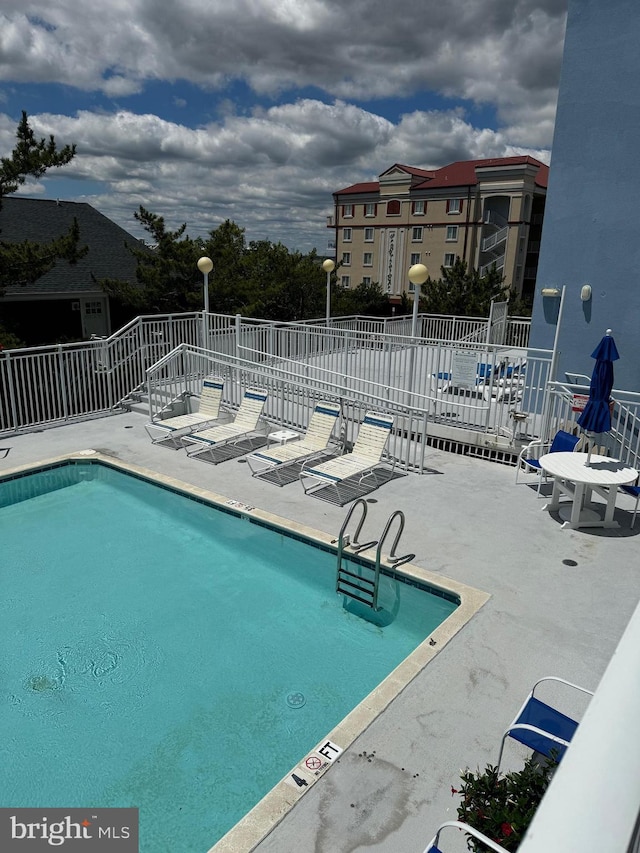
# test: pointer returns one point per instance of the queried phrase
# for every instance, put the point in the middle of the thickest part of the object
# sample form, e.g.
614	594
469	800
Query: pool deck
467	521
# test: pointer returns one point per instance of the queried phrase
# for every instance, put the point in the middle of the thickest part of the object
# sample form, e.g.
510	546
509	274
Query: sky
258	110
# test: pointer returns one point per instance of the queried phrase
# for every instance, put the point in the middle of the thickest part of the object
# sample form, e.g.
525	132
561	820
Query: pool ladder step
361	582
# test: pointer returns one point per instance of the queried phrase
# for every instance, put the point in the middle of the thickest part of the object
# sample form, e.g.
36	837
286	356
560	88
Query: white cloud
274	169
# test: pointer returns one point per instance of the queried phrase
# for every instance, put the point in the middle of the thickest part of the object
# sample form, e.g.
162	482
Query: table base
588	518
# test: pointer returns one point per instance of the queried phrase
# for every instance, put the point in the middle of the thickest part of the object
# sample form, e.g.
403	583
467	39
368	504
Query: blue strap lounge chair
528	460
312	445
353	468
540	726
434	844
246	424
170	430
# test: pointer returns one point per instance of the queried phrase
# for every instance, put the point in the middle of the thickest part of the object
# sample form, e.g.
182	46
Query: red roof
463	172
459	174
371	187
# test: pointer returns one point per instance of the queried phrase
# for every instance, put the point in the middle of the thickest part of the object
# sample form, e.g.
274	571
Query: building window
416	235
347	210
93	307
344	281
368	235
367	259
415	258
366	279
449	259
370	209
346	235
346	259
454	205
452	233
418	208
393	208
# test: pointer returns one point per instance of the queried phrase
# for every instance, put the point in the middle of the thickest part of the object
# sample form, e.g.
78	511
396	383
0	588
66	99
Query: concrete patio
560	601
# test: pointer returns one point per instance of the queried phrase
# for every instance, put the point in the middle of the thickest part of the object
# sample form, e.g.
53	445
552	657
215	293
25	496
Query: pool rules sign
79	830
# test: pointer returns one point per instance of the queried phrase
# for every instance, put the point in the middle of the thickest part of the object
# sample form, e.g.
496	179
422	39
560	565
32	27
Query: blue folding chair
634	491
563	442
433	846
542	727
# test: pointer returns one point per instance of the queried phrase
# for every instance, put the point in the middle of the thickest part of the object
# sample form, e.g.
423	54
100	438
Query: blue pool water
150	643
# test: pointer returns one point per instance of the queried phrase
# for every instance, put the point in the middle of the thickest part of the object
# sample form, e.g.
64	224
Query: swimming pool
141	665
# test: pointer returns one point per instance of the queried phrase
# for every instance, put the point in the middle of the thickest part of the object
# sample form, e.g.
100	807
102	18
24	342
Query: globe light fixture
328	266
418	274
205	265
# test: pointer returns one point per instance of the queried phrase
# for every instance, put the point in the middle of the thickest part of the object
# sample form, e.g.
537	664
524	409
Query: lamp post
205	265
418	274
328	266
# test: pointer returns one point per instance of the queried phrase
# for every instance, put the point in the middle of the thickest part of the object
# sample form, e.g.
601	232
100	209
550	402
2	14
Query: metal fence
566	400
376	356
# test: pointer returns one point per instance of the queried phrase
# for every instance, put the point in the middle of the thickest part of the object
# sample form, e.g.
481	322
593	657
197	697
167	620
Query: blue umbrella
596	416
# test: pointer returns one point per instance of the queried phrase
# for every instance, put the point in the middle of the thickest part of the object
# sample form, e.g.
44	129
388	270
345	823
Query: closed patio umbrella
596	417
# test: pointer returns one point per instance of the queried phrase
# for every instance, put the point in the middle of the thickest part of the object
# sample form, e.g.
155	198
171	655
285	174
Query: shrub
502	806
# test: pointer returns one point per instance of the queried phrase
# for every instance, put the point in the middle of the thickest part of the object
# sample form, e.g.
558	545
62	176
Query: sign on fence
464	368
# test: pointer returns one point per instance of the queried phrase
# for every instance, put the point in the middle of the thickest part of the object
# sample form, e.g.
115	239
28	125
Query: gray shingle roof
42	220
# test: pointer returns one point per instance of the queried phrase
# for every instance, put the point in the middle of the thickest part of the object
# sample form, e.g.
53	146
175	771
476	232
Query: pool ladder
361	582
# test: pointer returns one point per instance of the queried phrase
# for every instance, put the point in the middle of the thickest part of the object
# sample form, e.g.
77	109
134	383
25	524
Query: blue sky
258	110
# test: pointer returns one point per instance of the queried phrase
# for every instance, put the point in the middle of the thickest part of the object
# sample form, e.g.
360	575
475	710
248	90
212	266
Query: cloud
316	69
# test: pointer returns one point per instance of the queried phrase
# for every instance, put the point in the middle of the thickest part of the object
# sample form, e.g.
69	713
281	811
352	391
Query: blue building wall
591	232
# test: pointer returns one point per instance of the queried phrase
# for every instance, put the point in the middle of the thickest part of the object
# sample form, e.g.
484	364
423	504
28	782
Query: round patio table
572	476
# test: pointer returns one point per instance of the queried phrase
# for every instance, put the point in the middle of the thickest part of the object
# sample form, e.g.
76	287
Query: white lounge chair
246	424
171	429
352	468
311	445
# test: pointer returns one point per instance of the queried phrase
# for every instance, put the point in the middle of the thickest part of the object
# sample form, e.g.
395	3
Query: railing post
63	384
12	394
238	330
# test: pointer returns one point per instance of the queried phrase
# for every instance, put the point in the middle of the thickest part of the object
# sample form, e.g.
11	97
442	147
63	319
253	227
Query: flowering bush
502	806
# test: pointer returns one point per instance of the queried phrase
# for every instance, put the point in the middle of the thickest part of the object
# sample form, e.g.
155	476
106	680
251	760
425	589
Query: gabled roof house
67	302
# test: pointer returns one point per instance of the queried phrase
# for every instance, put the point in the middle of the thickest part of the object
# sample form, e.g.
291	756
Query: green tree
167	277
366	299
462	291
25	262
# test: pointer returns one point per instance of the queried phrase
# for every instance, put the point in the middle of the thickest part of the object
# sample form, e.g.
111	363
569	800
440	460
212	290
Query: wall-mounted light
551	291
585	293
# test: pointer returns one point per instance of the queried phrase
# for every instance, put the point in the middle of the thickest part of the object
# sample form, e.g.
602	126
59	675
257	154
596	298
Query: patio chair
634	491
434	844
313	444
540	726
528	460
171	429
355	467
244	426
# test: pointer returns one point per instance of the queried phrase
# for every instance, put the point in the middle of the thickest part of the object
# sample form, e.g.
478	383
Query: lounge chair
244	426
313	444
171	429
433	846
352	468
540	726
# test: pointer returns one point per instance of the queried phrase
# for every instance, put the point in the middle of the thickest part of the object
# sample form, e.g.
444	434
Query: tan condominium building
483	211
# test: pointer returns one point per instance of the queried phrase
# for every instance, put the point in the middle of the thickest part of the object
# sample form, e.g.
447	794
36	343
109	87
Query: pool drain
296	700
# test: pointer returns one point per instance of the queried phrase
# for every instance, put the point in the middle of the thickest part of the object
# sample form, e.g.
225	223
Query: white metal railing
498	262
398	374
622	442
56	384
493	239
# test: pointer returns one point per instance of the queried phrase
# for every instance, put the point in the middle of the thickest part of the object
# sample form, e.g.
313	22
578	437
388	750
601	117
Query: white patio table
572	476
